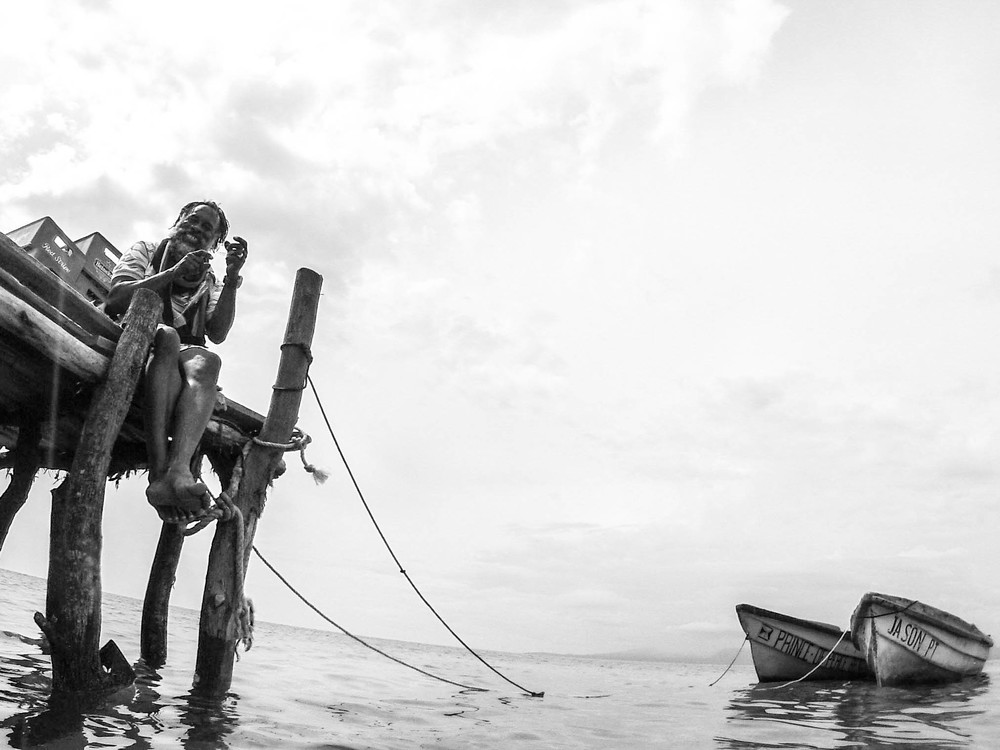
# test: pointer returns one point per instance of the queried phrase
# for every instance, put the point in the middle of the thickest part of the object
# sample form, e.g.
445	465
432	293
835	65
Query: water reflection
854	714
207	722
23	680
139	714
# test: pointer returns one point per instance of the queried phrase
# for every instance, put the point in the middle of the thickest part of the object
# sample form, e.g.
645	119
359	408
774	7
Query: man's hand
236	256
193	265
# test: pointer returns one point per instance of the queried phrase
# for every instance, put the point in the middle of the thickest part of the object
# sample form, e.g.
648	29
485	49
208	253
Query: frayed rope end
319	475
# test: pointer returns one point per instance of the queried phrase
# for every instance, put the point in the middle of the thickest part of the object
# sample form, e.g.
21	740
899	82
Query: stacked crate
85	264
101	257
51	246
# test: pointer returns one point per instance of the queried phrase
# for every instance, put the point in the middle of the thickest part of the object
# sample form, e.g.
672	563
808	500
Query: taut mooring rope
315	609
399	565
726	670
227	510
806	675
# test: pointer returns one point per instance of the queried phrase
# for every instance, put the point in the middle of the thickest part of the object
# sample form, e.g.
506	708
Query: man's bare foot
170	514
178	497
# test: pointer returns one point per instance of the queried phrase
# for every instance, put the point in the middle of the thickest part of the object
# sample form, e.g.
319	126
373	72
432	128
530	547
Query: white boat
907	642
788	648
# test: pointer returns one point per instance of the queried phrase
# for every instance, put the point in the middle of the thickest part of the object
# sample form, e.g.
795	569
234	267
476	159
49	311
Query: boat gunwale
924	613
826	627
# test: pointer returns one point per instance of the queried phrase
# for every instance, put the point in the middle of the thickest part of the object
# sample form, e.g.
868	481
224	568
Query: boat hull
906	642
786	648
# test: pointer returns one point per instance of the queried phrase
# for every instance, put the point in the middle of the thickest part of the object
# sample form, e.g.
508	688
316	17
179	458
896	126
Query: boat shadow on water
855	714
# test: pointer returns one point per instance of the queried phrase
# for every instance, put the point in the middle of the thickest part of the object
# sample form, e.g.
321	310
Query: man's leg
199	369
162	387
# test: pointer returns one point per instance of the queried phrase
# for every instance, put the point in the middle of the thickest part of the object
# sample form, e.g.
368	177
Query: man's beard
185	242
180	244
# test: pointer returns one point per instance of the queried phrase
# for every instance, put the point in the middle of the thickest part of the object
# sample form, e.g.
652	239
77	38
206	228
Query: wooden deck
55	346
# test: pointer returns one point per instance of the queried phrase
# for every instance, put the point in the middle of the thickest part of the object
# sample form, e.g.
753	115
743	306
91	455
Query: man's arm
122	290
218	325
221	320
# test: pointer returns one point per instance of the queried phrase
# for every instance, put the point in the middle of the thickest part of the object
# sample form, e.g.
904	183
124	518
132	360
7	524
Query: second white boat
906	642
790	648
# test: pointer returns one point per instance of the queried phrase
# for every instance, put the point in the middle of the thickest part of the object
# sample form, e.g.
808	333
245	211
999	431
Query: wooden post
163	572
73	602
217	636
156	605
27	459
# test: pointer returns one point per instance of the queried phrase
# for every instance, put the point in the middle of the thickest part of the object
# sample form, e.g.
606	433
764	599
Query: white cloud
228	95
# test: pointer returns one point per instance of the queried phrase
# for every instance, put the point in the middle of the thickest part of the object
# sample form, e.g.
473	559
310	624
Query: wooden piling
156	604
72	620
27	460
217	636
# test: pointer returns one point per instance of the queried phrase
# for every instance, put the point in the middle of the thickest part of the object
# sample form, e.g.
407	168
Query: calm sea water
301	688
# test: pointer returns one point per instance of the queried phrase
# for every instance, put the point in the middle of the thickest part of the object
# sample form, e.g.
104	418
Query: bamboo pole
73	602
217	636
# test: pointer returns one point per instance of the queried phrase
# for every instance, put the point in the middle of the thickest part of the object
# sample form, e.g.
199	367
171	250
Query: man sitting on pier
181	374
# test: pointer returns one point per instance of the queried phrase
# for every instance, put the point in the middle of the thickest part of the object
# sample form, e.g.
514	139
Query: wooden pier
70	400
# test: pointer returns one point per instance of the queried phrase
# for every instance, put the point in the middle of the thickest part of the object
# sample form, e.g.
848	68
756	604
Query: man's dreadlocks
223	221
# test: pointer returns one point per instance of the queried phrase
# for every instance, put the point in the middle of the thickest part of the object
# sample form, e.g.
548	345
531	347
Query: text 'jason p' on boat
907	642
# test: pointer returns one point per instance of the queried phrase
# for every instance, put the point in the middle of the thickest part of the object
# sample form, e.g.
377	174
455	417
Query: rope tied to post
298	442
223	508
226	510
302	347
243	613
307	353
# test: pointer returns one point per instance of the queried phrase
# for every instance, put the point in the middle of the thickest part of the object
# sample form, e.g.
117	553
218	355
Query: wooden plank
19	290
27	324
25	377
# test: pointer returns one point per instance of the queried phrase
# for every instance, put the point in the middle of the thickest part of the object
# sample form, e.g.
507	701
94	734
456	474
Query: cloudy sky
632	311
